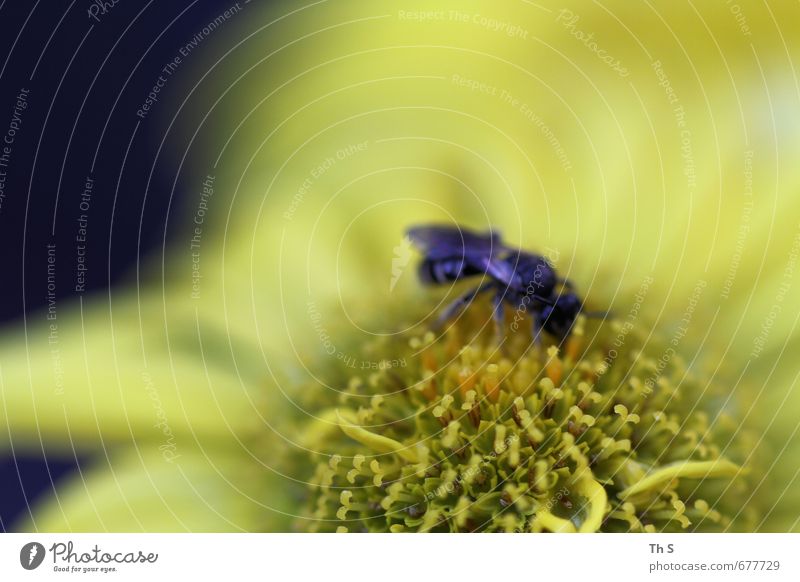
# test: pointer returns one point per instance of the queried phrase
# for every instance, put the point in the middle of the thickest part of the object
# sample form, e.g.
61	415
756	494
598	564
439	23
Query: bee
513	276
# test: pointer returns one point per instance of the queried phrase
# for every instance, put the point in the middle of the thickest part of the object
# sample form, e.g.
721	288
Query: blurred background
86	78
629	142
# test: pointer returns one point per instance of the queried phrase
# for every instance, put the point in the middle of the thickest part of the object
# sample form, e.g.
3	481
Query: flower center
607	432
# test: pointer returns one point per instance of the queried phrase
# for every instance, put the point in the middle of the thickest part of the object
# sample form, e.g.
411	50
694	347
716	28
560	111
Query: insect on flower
516	277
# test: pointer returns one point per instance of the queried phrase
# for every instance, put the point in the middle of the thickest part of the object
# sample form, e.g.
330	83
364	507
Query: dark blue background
66	103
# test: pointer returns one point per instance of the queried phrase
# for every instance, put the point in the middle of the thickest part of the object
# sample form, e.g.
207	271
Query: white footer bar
406	557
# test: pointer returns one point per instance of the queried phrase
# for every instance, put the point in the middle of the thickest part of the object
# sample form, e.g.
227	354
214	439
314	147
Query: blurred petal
142	490
123	372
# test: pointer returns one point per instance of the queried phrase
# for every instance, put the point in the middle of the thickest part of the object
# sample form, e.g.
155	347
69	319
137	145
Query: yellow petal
104	375
552	523
685	469
376	442
597	501
138	490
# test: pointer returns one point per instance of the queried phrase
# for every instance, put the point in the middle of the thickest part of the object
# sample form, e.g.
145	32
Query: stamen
472	438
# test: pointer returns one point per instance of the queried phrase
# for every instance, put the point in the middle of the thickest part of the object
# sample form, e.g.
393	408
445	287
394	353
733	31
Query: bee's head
536	275
560	317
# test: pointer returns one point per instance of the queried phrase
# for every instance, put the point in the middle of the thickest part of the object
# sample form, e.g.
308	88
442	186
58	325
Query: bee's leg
499	315
459	304
537	329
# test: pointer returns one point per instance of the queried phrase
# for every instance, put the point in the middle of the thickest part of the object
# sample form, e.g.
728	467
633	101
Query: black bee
514	277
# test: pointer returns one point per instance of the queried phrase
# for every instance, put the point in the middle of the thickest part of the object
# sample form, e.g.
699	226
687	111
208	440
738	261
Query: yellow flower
631	143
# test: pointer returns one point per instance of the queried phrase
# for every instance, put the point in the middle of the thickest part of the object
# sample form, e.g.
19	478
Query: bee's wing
442	242
501	271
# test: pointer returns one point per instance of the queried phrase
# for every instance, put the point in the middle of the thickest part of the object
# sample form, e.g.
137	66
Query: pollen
472	436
